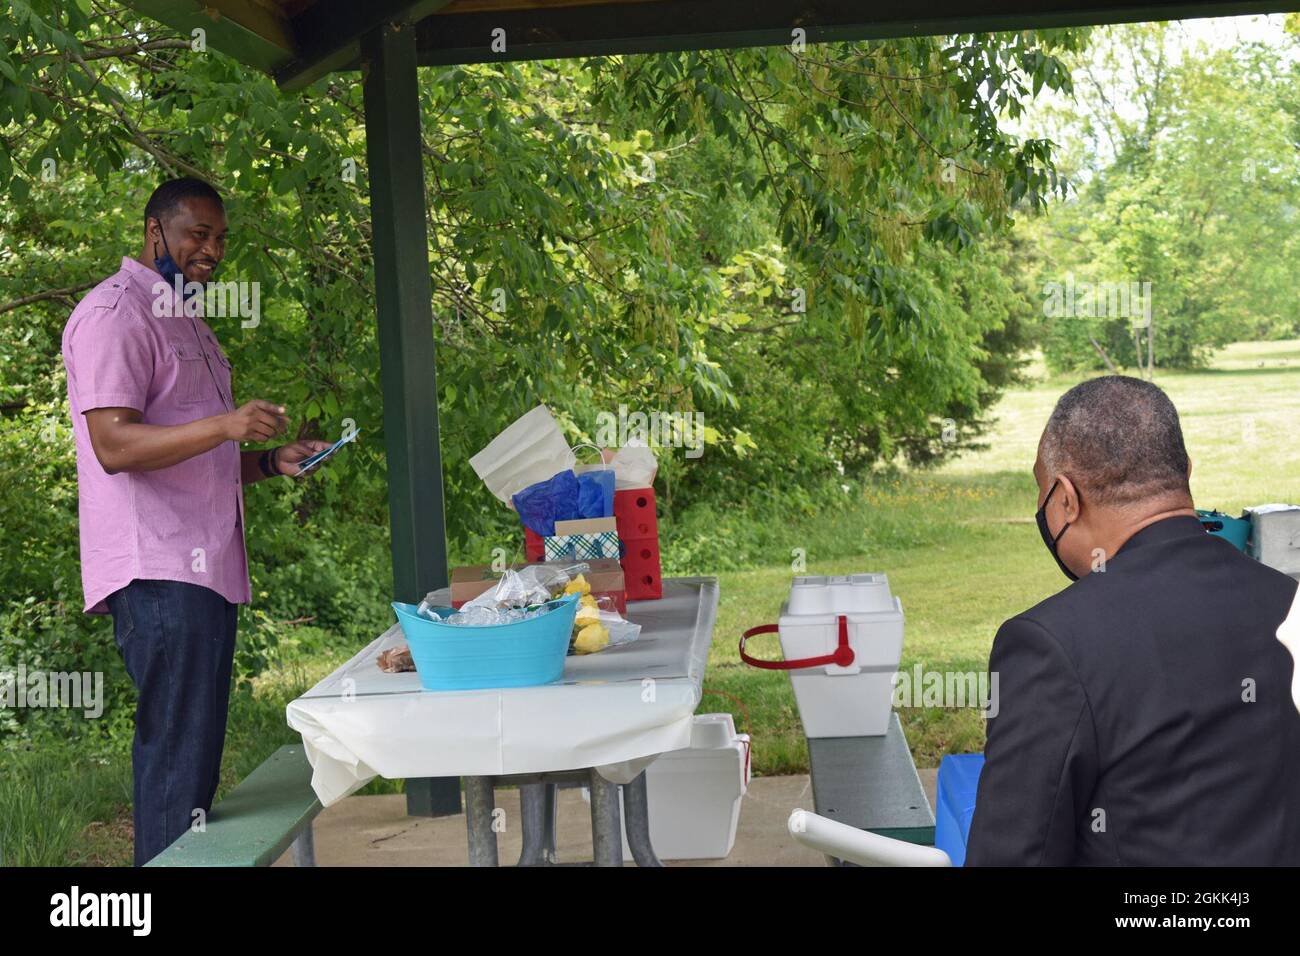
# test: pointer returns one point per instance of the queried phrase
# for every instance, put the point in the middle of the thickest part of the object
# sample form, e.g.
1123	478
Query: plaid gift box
586	539
582	547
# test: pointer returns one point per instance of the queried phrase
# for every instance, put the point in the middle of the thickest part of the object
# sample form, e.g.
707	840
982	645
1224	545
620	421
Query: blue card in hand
308	463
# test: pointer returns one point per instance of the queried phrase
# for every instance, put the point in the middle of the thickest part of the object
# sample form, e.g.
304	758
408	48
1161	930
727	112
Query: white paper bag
532	449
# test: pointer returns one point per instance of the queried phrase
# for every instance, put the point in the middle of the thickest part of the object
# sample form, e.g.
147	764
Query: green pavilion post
406	354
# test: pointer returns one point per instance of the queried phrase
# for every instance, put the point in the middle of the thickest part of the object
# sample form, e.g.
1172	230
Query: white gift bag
532	449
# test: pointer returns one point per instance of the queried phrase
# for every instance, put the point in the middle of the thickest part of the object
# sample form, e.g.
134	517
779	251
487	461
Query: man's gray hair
1118	439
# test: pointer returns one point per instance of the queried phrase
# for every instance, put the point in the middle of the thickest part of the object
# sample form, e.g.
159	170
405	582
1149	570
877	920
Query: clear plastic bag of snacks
517	596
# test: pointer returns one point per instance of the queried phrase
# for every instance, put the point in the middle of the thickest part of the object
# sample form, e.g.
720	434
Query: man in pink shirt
160	477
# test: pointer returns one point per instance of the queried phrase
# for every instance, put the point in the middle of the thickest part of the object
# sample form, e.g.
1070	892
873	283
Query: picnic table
601	724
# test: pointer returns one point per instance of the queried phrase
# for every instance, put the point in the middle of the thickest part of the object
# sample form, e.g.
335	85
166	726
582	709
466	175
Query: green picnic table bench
271	810
871	783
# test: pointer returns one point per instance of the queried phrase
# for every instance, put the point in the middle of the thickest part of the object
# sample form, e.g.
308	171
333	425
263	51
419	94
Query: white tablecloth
615	711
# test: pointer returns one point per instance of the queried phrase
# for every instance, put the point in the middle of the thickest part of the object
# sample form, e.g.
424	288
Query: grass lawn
959	546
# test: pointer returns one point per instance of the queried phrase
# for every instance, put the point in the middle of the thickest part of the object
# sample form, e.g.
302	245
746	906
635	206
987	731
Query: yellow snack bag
578	585
592	638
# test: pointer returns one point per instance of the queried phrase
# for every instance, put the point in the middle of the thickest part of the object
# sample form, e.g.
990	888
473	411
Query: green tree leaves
1192	184
672	231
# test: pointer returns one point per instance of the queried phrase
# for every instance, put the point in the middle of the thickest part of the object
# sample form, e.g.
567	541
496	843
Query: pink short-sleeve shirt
183	523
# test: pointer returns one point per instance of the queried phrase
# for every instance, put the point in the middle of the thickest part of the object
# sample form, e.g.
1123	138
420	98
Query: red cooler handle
842	657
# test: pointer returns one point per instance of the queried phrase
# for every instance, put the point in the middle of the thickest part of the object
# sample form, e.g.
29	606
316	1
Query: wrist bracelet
275	462
262	463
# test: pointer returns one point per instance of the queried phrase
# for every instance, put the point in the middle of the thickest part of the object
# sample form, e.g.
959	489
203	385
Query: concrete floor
375	831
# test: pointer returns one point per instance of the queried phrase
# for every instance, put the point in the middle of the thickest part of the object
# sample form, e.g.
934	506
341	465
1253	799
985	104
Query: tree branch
121	52
43	296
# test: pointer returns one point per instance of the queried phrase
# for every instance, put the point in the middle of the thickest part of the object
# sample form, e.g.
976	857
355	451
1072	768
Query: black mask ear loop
1040	517
167	266
157	258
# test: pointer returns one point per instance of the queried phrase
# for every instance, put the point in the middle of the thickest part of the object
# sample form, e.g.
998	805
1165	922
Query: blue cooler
1236	531
959	778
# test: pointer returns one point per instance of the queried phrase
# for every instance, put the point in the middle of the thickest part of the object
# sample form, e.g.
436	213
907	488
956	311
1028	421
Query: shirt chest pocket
221	368
193	380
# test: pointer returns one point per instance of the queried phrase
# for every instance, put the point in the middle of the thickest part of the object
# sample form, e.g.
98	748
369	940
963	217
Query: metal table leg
551	811
636	803
606	825
304	847
533	807
480	795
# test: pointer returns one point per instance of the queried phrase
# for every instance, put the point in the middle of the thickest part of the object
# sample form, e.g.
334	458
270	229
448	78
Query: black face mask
1041	518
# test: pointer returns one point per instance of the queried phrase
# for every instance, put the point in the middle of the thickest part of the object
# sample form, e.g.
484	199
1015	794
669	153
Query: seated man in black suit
1144	713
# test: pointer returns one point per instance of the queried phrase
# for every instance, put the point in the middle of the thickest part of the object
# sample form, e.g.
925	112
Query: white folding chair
1288	632
858	846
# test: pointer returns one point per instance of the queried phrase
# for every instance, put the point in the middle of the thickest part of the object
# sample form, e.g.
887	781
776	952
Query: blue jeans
178	642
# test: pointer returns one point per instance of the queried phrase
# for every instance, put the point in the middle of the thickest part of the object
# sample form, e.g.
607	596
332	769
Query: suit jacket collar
1166	529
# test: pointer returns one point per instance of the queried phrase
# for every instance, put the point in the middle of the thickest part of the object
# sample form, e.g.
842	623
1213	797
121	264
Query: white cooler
1275	537
695	794
835	701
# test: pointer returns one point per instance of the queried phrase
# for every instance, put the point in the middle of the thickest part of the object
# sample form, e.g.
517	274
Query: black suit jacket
1125	732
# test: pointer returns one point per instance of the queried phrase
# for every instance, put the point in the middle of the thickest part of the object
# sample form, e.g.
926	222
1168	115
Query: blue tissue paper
542	504
596	494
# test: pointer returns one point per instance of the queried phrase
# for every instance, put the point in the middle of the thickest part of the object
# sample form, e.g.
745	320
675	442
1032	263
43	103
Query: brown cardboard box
606	577
587	526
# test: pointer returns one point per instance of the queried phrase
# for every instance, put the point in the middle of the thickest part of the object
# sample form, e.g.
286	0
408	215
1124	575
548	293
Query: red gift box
634	511
638	533
534	545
